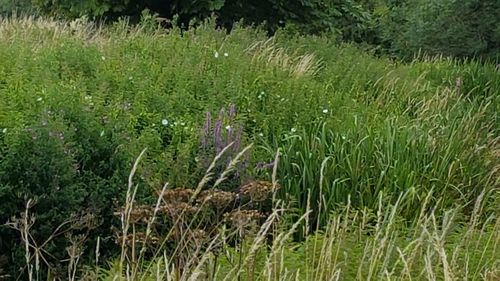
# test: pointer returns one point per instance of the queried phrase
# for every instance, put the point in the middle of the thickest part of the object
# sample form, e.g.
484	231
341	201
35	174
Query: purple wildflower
218	142
206	130
264	166
237	140
229	137
232	111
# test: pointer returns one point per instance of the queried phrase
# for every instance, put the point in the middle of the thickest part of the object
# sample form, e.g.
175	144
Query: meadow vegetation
142	153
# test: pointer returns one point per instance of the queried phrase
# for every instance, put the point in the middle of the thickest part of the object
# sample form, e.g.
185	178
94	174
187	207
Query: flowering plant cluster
220	133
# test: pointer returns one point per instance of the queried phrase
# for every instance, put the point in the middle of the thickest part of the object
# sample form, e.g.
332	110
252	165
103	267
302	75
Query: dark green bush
346	17
8	7
453	28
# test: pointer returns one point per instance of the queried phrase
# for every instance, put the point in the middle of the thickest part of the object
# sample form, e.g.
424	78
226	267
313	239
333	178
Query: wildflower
164	122
139	214
219	144
103	58
261	134
4	130
325	111
206	130
244	220
39	99
177	209
126	106
87	98
237	139
228	127
232	111
226	54
264	166
216	55
259	190
218	198
177	195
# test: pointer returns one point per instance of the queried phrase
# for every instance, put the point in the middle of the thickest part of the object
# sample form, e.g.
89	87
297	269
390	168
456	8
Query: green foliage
452	28
8	7
78	104
346	17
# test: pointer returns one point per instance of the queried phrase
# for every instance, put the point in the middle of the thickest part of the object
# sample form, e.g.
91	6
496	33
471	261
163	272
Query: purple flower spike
260	166
237	140
229	137
264	166
232	111
219	145
206	130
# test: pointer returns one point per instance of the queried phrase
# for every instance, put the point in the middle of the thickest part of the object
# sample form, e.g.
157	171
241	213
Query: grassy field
348	166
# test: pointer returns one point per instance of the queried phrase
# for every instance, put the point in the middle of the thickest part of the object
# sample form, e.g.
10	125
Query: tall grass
377	135
356	245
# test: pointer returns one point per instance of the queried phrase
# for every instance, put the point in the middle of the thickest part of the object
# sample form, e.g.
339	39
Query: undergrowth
80	101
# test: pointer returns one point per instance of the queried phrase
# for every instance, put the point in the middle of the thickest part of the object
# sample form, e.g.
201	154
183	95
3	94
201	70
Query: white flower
39	99
87	98
228	127
103	58
261	134
183	124
216	55
164	122
293	130
325	111
226	54
4	130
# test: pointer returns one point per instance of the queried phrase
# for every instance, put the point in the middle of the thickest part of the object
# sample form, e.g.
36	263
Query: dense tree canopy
398	27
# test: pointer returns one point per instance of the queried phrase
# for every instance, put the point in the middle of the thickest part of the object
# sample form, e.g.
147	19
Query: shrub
79	103
9	7
450	28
